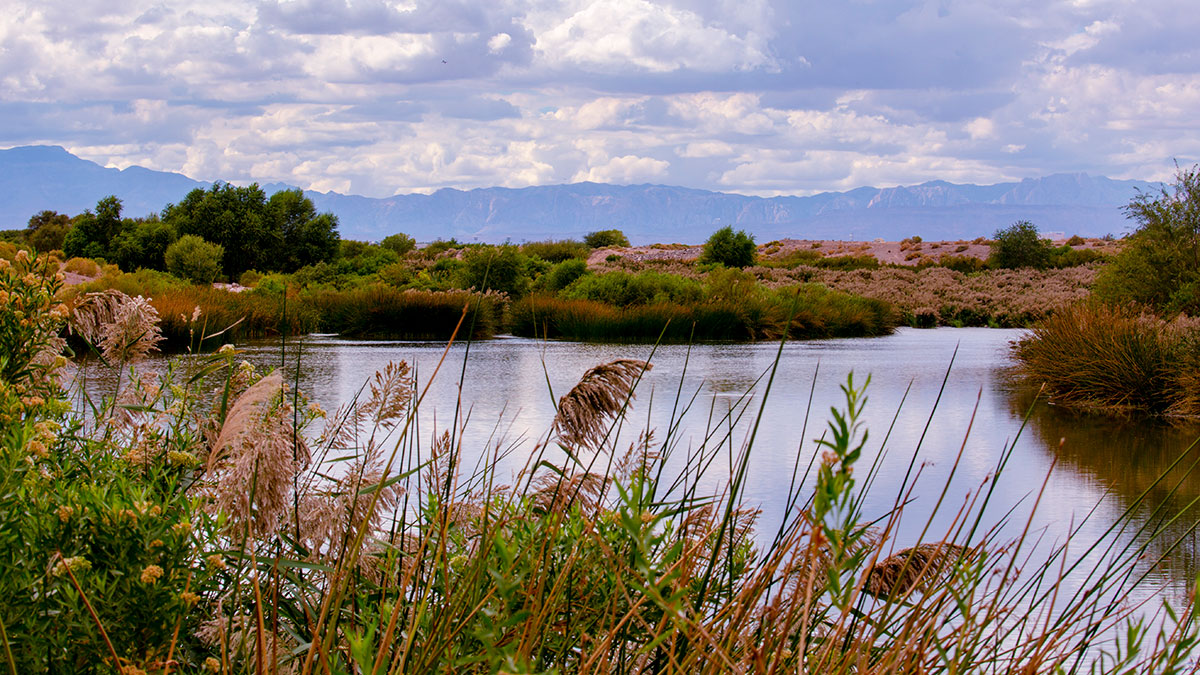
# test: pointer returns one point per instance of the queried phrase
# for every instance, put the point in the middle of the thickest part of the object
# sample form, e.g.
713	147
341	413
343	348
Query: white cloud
624	170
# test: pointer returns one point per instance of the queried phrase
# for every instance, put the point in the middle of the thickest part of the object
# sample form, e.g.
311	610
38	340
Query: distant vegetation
1136	346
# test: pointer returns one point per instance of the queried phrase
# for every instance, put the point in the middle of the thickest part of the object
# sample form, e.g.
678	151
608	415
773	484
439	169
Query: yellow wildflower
75	564
189	598
216	561
212	665
65	513
151	574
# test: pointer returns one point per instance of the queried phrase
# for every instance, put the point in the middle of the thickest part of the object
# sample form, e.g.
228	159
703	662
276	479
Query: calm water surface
1099	466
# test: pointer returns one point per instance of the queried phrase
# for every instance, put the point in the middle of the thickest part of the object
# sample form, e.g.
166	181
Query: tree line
222	231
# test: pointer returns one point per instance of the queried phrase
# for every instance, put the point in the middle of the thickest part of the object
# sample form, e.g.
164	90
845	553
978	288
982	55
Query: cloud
625	170
755	96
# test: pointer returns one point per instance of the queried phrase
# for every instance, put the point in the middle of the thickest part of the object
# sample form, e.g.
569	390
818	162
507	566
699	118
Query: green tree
47	230
606	239
729	248
1159	264
142	243
282	234
1019	245
93	233
400	243
194	259
307	237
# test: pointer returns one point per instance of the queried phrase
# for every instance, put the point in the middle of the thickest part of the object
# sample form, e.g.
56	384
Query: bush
400	243
564	274
729	248
606	239
1019	245
556	251
194	259
496	268
1159	266
624	289
1111	359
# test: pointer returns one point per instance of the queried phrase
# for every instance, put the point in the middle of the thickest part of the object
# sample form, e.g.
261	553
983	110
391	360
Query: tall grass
815	311
379	311
238	537
1115	359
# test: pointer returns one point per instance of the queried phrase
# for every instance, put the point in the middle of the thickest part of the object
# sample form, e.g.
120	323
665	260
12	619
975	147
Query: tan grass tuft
584	412
919	568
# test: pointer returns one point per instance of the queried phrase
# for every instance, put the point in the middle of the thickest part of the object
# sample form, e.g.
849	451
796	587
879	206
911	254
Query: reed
259	534
379	311
815	311
1115	359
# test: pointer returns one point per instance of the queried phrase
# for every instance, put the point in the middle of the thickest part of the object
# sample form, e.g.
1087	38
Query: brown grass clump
919	568
1115	360
601	394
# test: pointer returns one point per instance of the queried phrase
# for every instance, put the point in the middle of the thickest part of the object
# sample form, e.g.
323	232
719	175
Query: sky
760	97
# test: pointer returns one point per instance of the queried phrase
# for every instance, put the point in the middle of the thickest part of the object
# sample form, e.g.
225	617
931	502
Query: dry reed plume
601	394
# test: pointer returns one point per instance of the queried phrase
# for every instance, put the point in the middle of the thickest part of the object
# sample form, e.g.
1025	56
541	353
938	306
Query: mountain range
37	178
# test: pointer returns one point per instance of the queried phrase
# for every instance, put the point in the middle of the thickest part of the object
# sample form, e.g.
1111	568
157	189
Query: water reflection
1140	462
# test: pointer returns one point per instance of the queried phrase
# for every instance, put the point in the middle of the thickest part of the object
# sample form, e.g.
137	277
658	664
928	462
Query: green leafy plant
729	248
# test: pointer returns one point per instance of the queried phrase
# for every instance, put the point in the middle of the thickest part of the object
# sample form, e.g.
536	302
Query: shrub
556	251
606	239
400	243
1019	245
194	259
1159	266
496	268
1115	360
1076	240
729	248
250	277
379	311
564	274
624	289
82	266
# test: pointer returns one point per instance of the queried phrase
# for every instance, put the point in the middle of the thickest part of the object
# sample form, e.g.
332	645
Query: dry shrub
1115	359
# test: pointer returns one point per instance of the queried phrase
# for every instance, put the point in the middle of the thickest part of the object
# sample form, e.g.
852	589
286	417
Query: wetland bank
331	504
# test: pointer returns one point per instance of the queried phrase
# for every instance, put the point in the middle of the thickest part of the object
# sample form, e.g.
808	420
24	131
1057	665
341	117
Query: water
1100	467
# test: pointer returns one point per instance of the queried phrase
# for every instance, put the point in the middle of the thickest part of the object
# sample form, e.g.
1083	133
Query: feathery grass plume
555	492
391	392
255	458
583	412
920	568
334	514
133	333
92	312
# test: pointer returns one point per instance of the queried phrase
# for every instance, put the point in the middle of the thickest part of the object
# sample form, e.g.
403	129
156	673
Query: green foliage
194	259
361	258
47	230
624	289
556	251
729	248
92	232
496	268
1159	264
1019	245
564	274
284	233
379	311
606	239
400	243
142	243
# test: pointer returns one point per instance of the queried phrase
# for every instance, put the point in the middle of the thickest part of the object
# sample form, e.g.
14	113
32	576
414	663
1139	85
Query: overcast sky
763	97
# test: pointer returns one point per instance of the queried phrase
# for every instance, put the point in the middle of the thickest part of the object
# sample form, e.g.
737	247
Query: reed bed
815	312
1115	360
258	534
379	311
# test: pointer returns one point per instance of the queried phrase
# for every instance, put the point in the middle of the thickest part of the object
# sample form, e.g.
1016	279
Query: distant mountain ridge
35	178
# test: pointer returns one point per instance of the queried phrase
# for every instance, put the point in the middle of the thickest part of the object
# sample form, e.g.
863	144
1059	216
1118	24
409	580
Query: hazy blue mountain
45	177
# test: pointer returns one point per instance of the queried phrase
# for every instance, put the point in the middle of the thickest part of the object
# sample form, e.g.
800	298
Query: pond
944	400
